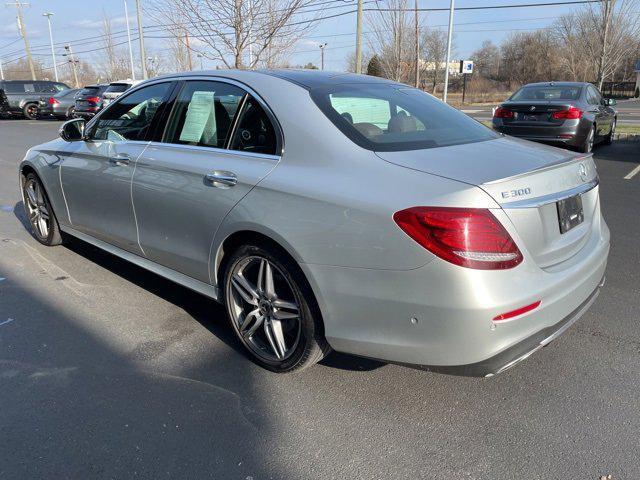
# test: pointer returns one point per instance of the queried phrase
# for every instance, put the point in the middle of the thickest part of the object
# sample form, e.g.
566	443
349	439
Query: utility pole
446	67
322	47
417	34
126	17
23	33
200	56
143	55
73	61
359	38
53	52
1	71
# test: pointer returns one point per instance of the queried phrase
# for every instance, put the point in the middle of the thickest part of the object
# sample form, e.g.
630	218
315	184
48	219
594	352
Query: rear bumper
571	134
439	316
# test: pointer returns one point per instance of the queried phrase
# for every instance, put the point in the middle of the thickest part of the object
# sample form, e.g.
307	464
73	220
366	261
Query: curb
627	137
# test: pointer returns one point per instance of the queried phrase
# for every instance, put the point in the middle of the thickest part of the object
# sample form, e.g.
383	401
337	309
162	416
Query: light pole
53	52
126	17
322	47
446	67
1	71
200	56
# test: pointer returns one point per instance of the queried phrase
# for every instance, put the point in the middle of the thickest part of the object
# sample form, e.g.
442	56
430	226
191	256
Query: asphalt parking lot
108	371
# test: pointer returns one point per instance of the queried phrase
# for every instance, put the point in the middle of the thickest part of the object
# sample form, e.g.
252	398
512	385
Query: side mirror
611	101
72	130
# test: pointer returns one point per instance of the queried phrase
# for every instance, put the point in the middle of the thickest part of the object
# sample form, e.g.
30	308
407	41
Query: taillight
469	237
93	99
502	112
572	113
53	101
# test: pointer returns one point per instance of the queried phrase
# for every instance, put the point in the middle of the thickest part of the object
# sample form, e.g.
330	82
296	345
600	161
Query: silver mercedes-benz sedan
333	211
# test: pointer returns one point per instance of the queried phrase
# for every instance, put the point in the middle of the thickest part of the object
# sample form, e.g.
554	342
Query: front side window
396	117
14	88
203	114
130	117
254	132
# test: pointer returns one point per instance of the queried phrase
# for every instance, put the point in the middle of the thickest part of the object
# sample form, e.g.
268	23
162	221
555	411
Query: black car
89	101
22	96
561	113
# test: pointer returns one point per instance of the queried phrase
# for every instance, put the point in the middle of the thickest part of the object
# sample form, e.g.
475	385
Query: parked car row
41	99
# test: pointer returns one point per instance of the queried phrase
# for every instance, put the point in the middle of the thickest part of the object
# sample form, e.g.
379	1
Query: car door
601	116
96	174
184	185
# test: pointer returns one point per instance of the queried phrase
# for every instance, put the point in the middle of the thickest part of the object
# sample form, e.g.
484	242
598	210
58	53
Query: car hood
481	162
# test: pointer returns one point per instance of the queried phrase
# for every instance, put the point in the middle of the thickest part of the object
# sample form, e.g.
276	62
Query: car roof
557	84
305	78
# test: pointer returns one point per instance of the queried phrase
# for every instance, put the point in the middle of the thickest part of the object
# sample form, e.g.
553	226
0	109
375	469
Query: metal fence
619	89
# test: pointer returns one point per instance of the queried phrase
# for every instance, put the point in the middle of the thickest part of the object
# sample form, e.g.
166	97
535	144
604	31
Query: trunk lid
526	180
535	113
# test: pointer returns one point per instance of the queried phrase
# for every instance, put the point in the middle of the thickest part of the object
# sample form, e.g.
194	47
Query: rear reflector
515	313
469	237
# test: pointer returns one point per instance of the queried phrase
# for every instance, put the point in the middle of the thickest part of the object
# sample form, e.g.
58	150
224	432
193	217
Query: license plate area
570	213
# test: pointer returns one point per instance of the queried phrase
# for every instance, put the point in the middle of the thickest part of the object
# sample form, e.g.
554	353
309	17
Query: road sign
466	66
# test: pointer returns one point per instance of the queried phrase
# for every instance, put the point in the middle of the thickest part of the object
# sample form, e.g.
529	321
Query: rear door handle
221	179
120	160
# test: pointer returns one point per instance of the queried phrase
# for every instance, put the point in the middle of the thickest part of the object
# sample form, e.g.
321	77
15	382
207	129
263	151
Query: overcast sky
74	20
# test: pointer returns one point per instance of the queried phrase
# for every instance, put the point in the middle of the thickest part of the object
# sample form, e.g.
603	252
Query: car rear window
90	91
558	92
396	117
116	88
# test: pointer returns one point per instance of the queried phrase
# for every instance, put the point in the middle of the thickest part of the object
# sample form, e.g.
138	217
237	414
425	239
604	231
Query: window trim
280	141
89	127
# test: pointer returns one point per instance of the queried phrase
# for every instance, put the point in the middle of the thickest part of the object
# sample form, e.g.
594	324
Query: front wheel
272	310
608	140
39	212
587	145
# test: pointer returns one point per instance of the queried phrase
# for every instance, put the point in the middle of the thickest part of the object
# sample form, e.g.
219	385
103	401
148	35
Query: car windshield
396	117
558	92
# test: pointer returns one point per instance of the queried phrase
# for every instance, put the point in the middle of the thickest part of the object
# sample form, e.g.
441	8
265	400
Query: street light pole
1	71
143	55
53	52
417	34
322	47
359	38
446	67
126	17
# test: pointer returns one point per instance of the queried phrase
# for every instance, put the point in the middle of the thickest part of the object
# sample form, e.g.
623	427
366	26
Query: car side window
254	131
592	96
203	114
130	117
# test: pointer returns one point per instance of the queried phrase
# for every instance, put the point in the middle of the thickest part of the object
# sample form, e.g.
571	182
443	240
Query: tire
30	111
71	112
40	215
608	140
587	145
278	322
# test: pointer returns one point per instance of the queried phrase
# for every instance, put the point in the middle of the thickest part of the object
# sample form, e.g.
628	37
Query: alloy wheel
264	308
37	209
32	111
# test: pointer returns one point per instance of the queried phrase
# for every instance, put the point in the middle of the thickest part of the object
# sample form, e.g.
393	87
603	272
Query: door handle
221	179
120	160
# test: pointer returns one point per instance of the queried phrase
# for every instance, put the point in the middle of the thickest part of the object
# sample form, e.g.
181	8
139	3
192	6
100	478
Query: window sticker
200	122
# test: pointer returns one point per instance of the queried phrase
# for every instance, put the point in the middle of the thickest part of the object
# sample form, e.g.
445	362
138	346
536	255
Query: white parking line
632	173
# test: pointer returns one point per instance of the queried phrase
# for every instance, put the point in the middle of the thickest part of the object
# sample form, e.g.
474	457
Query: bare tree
486	60
112	60
434	53
238	33
392	39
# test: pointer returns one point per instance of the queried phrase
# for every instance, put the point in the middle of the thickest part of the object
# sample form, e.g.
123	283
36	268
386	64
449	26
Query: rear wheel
71	112
587	145
608	140
39	212
30	111
272	310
